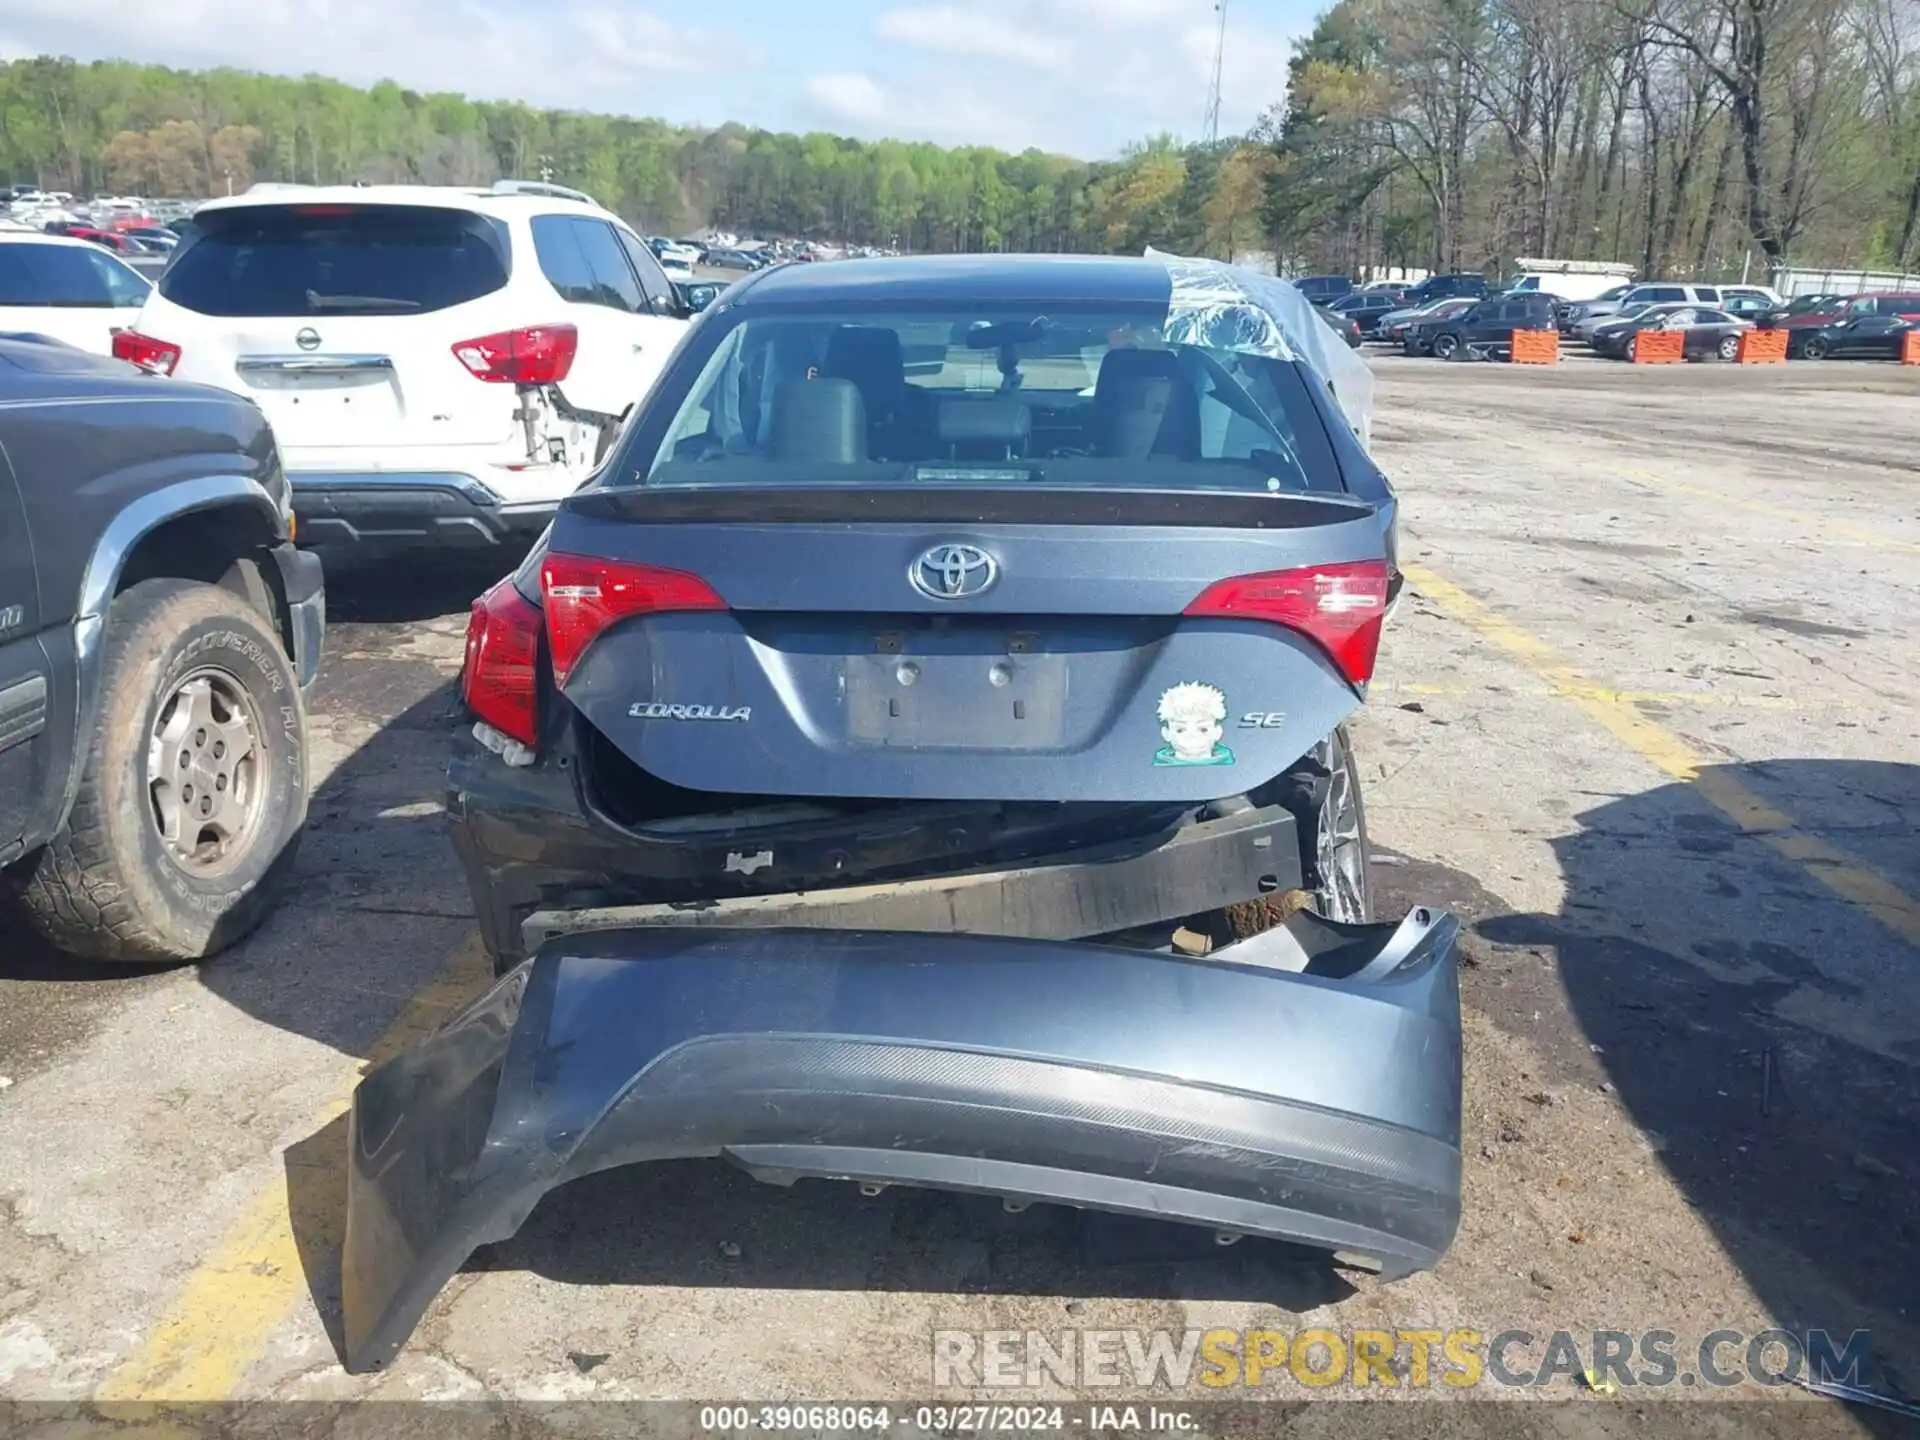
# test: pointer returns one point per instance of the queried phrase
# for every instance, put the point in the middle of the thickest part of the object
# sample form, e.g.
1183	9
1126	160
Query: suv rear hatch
341	322
1128	646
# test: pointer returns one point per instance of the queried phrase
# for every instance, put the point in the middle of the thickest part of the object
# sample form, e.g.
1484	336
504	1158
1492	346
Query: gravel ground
1649	718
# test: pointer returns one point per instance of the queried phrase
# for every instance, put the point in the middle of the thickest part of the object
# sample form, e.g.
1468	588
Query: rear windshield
66	277
336	260
1068	396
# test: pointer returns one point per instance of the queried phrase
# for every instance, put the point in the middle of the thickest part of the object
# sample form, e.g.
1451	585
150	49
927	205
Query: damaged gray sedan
917	758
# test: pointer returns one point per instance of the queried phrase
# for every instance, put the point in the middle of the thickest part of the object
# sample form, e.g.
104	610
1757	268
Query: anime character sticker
1192	722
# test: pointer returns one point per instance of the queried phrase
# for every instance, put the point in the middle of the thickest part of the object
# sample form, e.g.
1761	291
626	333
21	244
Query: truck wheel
194	792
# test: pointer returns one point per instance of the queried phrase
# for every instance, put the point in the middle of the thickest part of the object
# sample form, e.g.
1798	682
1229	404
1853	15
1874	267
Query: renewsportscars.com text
1417	1359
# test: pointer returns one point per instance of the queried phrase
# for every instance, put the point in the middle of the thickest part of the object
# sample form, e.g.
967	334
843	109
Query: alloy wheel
1340	852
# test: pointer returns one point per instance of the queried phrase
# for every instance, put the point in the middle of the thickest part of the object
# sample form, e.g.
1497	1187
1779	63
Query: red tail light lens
503	643
584	595
537	355
156	357
1340	606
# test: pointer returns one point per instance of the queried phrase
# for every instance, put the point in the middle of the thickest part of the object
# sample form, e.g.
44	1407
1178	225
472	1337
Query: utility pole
1212	126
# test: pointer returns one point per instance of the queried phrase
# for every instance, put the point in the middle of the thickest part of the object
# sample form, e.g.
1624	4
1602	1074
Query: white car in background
67	290
441	365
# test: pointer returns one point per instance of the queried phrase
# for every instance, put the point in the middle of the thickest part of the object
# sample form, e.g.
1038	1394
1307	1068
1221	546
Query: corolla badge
953	572
1192	722
658	710
308	339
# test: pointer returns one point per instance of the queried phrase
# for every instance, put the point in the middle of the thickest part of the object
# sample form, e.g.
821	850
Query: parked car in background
441	365
1393	326
66	289
1487	326
1587	328
1707	332
722	257
158	630
674	252
1445	287
1366	309
1866	326
1345	326
1322	289
1791	310
1655	293
1567	285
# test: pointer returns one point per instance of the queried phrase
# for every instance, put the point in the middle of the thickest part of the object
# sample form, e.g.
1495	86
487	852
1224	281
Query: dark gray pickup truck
157	628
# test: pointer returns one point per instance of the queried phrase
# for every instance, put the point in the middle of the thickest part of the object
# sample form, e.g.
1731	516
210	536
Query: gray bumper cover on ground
1237	1092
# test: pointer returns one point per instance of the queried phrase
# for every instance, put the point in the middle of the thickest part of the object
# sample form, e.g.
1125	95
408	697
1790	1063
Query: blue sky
1079	76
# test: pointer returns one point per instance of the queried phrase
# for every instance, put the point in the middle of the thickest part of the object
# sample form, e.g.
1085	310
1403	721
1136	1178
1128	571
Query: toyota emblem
953	572
308	339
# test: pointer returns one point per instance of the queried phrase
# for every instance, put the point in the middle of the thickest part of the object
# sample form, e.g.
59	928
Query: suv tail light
584	595
499	682
1341	607
537	355
156	357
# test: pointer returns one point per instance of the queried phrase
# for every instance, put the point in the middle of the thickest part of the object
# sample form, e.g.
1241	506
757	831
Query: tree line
1685	136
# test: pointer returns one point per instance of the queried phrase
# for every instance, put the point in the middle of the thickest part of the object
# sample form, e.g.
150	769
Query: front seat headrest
872	357
1145	405
823	421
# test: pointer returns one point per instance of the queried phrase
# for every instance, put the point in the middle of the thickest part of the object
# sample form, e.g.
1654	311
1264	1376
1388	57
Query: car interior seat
898	415
1144	405
822	421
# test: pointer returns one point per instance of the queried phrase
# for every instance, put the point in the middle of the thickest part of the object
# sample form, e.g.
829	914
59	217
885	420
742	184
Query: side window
127	290
615	284
561	259
1665	293
52	275
653	280
1707	294
585	263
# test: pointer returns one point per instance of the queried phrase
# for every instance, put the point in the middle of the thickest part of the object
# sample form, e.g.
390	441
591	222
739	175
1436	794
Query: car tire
1729	347
110	886
1444	346
1322	790
1814	349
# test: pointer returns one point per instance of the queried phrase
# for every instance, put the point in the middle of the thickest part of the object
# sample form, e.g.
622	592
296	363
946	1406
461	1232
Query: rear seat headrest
822	420
1146	405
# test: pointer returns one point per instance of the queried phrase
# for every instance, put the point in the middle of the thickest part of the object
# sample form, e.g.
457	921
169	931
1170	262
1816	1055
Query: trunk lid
1061	668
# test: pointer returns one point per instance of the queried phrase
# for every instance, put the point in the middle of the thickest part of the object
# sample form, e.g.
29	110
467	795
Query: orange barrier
1763	347
1910	348
1659	347
1536	347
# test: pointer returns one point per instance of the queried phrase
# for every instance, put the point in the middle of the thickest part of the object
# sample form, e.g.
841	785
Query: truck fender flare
135	520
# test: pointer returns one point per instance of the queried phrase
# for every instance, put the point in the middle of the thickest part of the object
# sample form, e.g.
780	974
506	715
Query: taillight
537	355
585	595
1339	606
503	642
156	357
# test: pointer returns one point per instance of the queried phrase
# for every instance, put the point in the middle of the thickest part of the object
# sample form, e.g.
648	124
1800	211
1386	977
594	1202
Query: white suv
440	365
68	290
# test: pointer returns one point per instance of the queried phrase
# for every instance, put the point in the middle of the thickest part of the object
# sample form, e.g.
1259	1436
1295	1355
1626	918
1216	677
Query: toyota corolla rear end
867	758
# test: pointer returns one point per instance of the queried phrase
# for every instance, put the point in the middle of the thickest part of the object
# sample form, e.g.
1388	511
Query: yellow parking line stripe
1840	529
1885	901
242	1292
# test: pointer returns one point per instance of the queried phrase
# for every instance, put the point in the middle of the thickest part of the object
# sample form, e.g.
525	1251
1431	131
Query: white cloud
953	31
584	54
849	96
1084	77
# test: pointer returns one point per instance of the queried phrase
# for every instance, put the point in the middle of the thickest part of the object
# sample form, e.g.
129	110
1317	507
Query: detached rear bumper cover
1303	1085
